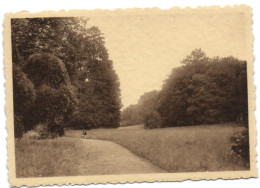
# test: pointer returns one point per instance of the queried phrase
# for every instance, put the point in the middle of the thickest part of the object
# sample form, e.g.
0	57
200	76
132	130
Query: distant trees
148	103
60	59
131	116
202	91
153	120
139	113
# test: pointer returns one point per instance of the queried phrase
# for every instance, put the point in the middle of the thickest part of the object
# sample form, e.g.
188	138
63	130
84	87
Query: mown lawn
49	157
177	149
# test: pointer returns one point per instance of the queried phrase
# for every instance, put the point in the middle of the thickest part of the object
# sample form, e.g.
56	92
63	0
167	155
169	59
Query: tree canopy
202	91
138	113
51	54
205	90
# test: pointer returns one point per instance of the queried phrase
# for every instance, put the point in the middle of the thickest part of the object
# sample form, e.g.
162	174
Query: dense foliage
54	99
202	91
140	112
153	120
131	116
60	59
99	98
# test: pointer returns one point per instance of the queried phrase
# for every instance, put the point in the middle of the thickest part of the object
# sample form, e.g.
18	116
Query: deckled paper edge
129	178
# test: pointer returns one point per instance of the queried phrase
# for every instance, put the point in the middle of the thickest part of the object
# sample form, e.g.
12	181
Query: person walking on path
84	134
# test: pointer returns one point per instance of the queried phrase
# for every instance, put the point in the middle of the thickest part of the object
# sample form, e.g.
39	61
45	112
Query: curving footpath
101	157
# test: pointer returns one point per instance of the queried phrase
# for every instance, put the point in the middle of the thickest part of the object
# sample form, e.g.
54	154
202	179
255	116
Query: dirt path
105	157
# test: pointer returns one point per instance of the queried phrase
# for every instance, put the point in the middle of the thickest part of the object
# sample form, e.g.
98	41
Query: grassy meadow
177	149
49	157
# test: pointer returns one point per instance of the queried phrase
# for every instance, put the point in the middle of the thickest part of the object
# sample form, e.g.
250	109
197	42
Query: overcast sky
145	47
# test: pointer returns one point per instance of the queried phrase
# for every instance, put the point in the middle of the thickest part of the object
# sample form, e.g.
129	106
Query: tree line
62	75
202	91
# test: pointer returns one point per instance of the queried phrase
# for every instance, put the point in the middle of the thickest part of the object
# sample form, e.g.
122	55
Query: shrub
56	129
18	127
153	120
32	134
42	130
240	145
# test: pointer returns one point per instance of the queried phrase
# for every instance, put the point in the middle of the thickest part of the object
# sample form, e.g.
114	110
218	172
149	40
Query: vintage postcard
134	95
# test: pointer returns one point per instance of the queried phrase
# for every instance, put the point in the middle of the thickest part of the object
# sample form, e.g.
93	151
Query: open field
177	149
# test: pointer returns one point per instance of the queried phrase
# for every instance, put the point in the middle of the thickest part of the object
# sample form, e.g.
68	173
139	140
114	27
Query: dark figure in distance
84	134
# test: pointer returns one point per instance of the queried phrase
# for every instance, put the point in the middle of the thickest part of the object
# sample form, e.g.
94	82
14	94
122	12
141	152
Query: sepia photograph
130	95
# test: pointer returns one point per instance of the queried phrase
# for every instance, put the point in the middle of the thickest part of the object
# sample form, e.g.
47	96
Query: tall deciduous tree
86	61
205	90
